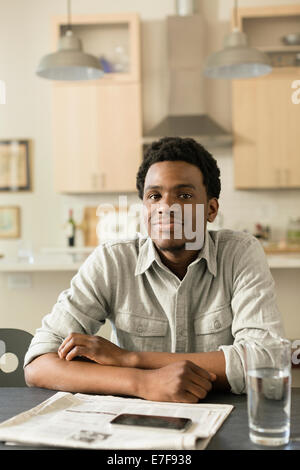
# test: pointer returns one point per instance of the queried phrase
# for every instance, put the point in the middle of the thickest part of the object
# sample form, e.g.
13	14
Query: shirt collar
148	255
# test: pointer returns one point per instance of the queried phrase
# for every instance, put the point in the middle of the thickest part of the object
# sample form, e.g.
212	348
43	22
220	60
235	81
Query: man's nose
169	208
165	204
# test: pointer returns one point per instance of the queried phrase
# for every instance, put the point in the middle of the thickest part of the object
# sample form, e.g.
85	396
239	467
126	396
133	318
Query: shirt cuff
235	368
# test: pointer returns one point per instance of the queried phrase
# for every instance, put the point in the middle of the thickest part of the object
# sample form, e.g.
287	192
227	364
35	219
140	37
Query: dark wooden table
233	435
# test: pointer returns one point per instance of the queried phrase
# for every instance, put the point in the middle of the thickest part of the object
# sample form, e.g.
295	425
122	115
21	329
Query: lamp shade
237	59
69	63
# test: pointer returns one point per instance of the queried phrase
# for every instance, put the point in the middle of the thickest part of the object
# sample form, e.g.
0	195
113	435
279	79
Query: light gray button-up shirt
226	295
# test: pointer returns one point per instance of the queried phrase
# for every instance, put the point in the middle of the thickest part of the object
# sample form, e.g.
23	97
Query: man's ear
212	209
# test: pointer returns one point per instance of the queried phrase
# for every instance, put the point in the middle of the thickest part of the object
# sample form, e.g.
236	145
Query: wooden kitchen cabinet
97	125
97	137
266	122
266	127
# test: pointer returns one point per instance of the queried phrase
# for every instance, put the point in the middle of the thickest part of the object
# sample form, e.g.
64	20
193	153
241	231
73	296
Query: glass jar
293	231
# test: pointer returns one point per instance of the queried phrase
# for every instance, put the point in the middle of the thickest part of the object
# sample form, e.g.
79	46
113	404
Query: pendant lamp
69	62
237	59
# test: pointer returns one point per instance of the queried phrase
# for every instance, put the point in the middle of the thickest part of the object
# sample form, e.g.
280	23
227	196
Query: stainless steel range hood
199	127
187	116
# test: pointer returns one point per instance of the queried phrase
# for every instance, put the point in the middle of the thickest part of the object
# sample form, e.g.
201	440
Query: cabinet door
75	137
291	164
266	148
97	137
120	136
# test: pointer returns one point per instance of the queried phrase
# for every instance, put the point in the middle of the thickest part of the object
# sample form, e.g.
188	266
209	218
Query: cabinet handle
278	176
283	177
94	180
103	180
287	176
98	181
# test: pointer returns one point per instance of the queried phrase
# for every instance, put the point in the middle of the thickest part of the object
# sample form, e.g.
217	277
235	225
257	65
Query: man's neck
178	261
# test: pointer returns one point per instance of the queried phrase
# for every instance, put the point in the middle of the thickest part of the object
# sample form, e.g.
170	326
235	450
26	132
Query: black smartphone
151	422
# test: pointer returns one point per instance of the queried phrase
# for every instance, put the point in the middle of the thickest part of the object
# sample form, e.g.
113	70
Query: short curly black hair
181	149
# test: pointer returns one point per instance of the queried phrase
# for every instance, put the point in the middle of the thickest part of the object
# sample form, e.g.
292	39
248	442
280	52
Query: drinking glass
268	381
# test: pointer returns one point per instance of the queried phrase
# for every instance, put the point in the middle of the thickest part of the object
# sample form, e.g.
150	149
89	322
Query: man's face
176	205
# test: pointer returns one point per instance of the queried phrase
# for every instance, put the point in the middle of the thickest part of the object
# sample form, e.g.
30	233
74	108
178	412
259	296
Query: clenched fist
181	381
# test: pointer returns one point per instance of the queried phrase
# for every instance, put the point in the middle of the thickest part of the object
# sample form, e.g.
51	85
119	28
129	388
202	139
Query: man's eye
153	196
185	196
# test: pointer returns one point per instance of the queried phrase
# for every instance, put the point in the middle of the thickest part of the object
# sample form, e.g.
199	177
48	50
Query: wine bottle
71	229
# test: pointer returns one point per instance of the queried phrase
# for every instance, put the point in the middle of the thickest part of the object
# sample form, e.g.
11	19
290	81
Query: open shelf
266	26
113	38
283	49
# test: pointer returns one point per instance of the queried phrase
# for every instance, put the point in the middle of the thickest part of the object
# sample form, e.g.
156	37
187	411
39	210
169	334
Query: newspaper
83	421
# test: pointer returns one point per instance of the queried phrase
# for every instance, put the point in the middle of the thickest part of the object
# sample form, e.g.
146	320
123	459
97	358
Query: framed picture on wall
10	222
15	165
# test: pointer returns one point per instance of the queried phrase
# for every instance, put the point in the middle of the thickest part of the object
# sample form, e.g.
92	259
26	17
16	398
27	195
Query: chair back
16	342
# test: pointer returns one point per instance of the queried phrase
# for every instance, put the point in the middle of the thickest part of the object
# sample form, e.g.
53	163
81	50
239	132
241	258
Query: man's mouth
167	225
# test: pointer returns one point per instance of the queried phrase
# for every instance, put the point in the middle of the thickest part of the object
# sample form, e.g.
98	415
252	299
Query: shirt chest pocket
213	329
138	333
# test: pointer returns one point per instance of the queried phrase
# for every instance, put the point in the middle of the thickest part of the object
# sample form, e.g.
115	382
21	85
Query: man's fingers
65	342
189	397
197	390
203	372
197	386
76	351
65	348
201	381
70	342
67	339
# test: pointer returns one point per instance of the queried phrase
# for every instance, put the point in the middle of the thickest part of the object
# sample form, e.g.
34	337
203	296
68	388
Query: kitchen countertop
72	261
42	263
284	261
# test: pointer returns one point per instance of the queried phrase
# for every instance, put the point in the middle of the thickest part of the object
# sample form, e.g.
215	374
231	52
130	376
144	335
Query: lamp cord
236	14
69	28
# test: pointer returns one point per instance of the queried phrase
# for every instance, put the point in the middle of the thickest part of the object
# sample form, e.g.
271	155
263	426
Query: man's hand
95	348
182	382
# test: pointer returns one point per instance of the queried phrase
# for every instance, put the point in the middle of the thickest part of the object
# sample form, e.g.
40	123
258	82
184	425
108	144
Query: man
180	301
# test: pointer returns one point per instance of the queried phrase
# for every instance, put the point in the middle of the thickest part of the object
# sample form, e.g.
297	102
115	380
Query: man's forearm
181	381
104	352
213	361
49	371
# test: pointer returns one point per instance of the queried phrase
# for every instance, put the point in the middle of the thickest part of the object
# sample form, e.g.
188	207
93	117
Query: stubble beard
171	247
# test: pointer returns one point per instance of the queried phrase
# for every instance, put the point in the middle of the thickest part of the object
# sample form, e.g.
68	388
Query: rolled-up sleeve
254	308
82	308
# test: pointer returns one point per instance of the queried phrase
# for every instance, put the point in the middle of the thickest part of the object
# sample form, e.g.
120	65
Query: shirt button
217	324
140	329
